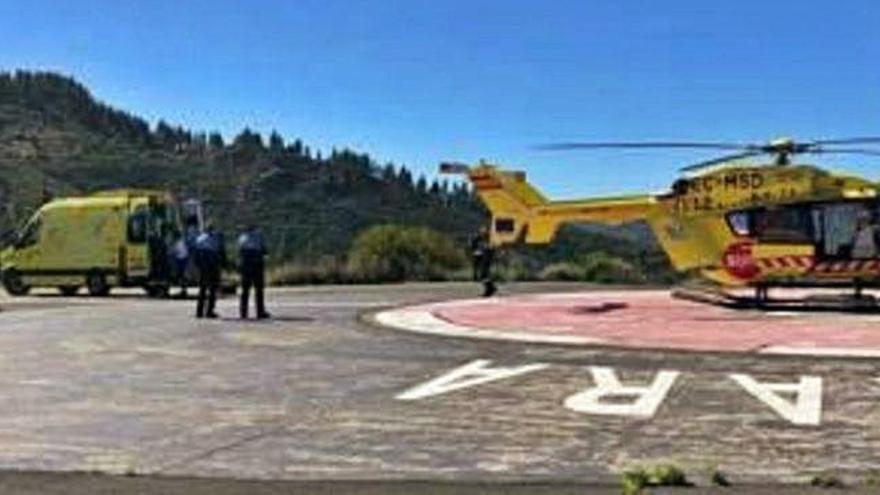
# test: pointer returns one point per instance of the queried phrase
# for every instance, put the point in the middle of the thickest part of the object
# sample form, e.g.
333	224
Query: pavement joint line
214	450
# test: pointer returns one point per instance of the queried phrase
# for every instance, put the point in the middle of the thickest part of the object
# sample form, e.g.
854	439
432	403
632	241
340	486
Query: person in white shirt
180	254
865	239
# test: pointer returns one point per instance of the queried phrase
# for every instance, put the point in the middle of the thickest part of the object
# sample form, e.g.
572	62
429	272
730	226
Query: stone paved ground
131	385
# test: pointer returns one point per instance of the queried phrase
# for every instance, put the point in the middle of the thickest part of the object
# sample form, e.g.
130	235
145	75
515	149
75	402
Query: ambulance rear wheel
96	283
14	284
68	290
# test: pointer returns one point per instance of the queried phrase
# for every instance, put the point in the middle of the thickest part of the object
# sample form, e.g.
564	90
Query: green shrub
395	253
601	268
827	480
464	274
564	271
719	479
326	270
595	267
514	269
633	482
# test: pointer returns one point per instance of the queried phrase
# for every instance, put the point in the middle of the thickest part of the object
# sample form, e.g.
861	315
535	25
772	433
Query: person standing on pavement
252	253
483	255
477	245
210	258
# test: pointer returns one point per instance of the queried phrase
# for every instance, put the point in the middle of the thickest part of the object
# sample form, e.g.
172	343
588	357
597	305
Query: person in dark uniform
477	252
482	256
160	271
252	253
210	258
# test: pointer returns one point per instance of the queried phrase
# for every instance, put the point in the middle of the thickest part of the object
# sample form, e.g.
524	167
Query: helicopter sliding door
847	230
844	230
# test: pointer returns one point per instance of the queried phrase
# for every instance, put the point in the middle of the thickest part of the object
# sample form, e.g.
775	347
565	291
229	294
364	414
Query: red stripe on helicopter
783	262
847	266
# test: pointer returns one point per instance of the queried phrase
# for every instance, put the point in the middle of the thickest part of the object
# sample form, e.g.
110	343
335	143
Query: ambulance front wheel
68	290
14	284
96	283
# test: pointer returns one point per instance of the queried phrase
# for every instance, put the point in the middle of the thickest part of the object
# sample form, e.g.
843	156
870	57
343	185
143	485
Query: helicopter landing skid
862	303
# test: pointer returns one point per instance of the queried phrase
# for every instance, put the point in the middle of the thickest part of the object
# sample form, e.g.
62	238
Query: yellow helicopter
735	223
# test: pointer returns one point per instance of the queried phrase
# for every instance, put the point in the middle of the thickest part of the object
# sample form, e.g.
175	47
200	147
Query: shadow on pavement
268	321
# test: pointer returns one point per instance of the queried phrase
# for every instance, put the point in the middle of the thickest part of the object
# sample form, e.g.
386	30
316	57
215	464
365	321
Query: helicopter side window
505	225
786	224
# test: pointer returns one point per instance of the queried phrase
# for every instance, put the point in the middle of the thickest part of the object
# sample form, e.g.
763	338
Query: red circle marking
654	319
739	262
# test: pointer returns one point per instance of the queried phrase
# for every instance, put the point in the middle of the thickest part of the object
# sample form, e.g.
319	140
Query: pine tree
215	141
405	177
297	148
165	135
389	174
276	143
249	140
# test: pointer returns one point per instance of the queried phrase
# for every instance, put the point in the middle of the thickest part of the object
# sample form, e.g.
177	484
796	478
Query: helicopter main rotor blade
846	151
721	159
642	145
781	148
855	140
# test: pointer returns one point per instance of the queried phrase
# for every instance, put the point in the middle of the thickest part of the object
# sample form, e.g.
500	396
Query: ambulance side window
162	223
138	224
30	235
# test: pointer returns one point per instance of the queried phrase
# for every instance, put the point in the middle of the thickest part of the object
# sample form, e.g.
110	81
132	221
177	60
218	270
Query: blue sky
421	81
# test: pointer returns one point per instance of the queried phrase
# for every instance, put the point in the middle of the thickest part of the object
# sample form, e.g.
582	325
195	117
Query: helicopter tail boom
547	220
521	213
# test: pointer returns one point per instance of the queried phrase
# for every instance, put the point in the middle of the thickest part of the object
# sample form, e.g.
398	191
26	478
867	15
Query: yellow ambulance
111	239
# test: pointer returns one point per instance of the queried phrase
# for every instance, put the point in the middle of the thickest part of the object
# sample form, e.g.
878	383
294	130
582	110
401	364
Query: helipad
642	320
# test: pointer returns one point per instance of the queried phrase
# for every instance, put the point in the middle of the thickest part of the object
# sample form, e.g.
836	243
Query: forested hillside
57	139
